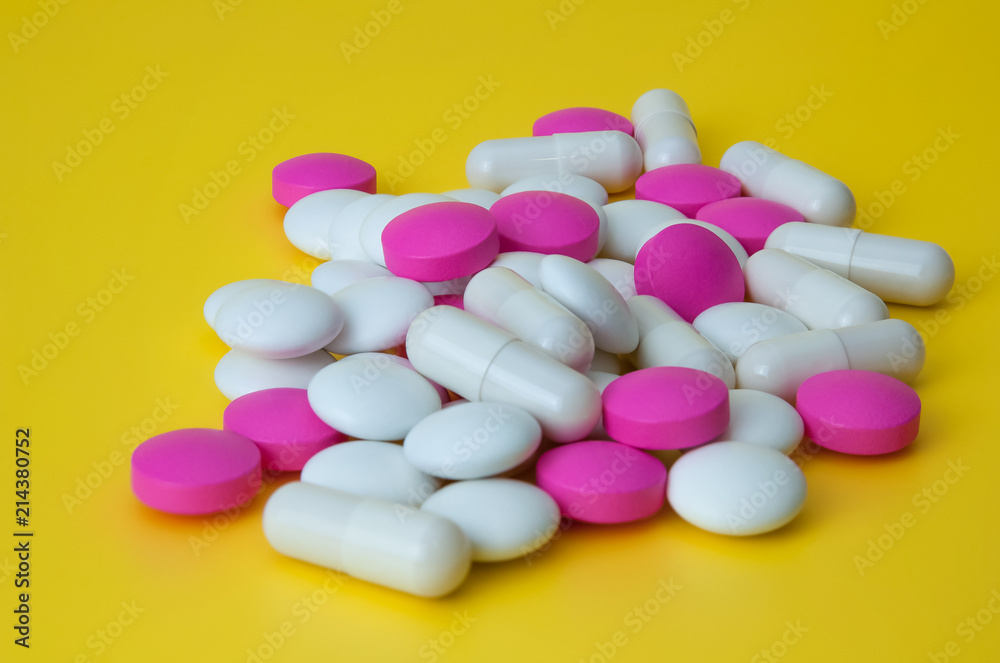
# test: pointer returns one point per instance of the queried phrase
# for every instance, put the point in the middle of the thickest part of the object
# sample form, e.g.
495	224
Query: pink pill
195	471
547	222
282	425
749	220
440	241
602	482
575	120
299	176
690	269
450	300
666	407
859	412
687	187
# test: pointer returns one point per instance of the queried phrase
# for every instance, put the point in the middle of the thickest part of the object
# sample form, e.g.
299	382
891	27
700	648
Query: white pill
278	320
481	197
611	158
817	297
372	400
219	297
629	222
473	440
502	518
733	243
577	186
664	130
736	488
619	273
771	175
369	468
735	326
377	313
897	269
606	362
452	287
307	222
370	234
410	550
758	417
665	339
601	380
523	263
335	275
376	361
344	239
506	300
593	299
238	373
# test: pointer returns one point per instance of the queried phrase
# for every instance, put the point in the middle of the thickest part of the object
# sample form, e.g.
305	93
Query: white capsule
897	269
735	326
238	373
664	130
377	312
733	243
221	295
629	221
593	299
778	366
817	297
375	540
481	197
482	363
619	273
611	158
506	300
523	263
370	232
758	417
307	222
665	339
343	241
370	468
335	275
577	186
771	175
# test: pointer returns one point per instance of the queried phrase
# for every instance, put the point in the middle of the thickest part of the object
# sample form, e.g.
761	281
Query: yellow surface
884	80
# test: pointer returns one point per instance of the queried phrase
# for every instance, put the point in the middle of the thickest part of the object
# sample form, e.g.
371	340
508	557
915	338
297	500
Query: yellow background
888	89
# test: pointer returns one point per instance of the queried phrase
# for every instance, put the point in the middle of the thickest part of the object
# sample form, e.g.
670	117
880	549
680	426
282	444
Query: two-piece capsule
664	129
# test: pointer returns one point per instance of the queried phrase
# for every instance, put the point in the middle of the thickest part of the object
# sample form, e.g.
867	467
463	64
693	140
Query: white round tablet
377	312
482	197
736	488
335	275
376	400
619	273
758	417
628	223
502	518
735	326
577	186
370	234
344	241
523	263
221	295
473	440
238	373
307	222
369	468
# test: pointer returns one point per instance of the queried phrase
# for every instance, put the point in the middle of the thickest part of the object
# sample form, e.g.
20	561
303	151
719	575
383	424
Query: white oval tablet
735	326
343	240
502	518
473	440
724	235
238	373
523	263
577	186
372	400
370	234
368	468
619	273
307	222
482	197
377	312
736	488
376	360
629	221
335	275
278	321
593	299
221	295
758	417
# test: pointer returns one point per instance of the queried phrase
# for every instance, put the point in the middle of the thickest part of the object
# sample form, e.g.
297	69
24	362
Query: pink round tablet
196	471
749	220
299	176
859	412
547	222
440	241
687	187
602	482
689	268
282	425
666	407
574	120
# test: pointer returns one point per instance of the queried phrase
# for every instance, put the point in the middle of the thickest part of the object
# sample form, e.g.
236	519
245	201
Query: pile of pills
469	368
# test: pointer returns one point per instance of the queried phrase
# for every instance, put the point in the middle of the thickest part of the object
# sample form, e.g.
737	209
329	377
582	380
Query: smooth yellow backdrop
116	115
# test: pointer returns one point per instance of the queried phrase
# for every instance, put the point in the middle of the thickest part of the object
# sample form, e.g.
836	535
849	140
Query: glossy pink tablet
687	187
666	407
299	176
602	482
547	222
749	220
582	118
282	425
859	412
440	241
689	268
196	471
